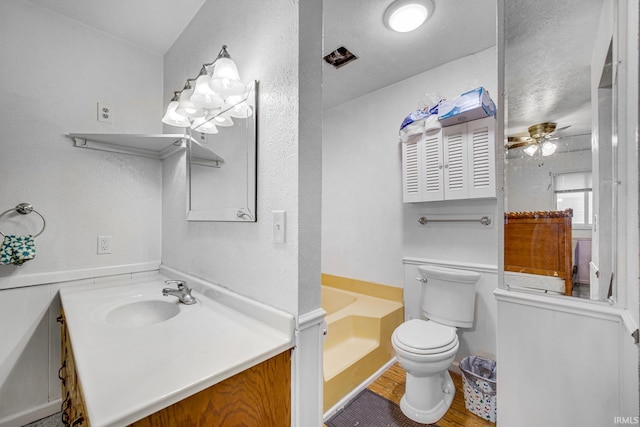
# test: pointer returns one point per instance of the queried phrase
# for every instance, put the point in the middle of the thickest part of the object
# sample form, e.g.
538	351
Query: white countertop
128	372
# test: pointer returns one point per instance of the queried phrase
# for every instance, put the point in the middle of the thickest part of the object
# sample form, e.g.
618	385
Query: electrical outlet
104	245
104	112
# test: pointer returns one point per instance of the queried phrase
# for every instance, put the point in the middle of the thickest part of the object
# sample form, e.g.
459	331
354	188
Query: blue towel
17	250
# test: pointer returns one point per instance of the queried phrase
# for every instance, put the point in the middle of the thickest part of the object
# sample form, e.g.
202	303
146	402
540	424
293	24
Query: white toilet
426	348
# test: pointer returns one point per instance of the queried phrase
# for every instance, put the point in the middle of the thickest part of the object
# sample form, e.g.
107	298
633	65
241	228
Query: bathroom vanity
133	357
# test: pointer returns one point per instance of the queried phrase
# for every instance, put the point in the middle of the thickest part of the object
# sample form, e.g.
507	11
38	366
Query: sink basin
142	313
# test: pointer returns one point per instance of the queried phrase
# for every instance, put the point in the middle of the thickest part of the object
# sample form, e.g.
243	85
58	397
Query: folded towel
17	250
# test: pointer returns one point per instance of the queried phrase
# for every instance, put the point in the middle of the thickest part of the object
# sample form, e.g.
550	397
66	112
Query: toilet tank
448	295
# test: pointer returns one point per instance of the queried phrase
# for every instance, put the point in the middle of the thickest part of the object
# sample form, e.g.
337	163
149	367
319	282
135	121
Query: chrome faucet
183	293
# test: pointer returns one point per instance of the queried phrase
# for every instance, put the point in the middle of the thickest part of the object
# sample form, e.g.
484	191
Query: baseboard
32	414
353	393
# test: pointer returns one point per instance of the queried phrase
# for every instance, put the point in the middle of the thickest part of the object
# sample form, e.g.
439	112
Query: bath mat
371	410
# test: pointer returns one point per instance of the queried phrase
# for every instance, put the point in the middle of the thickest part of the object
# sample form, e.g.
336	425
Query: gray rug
371	410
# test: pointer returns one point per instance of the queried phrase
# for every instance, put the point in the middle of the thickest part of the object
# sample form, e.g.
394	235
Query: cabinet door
422	170
456	172
481	160
411	191
432	167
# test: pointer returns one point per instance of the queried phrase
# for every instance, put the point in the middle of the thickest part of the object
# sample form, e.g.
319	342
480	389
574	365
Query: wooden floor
391	386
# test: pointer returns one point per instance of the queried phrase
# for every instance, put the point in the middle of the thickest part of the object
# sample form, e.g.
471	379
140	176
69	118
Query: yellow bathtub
361	317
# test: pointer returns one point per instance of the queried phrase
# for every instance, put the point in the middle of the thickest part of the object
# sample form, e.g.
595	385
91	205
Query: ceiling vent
340	57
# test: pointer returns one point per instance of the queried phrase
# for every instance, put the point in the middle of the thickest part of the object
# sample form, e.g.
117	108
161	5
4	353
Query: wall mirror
221	164
560	169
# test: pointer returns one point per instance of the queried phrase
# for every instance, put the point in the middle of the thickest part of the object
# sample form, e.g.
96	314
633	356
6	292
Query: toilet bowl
429	389
426	348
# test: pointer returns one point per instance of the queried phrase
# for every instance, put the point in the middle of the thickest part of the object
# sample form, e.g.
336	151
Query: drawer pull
60	375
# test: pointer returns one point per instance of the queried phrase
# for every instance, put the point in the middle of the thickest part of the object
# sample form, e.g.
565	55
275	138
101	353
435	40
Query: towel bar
485	220
25	209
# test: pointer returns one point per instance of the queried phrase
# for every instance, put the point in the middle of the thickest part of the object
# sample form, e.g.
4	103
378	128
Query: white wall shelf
155	146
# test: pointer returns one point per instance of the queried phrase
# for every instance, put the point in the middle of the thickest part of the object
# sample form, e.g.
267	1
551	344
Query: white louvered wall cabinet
456	162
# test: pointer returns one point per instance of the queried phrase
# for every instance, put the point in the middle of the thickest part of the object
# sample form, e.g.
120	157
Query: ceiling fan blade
558	130
519	141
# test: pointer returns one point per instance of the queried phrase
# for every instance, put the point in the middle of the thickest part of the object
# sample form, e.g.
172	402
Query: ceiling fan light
548	148
530	150
407	15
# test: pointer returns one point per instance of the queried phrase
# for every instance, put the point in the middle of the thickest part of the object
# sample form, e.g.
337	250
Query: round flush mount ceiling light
407	15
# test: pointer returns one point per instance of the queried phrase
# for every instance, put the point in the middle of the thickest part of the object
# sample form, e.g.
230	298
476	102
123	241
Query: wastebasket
479	384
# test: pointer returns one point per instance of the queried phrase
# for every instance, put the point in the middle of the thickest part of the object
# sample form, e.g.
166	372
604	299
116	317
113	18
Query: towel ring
24	209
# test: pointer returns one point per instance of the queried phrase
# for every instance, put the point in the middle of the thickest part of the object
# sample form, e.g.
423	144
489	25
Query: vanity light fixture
407	15
171	117
210	99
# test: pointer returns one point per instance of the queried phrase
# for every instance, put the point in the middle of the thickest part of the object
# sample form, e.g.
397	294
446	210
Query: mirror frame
247	212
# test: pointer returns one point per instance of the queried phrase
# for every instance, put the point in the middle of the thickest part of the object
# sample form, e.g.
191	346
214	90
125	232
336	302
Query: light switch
279	226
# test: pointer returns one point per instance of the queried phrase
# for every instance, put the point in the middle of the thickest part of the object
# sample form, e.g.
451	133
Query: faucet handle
180	283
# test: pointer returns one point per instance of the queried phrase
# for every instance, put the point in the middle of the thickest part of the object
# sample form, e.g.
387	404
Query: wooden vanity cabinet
73	407
257	397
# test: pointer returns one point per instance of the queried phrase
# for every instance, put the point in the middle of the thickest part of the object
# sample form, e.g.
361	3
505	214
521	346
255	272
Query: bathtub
358	341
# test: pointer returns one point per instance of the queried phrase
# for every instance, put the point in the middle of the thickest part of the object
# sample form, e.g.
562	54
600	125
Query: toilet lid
425	337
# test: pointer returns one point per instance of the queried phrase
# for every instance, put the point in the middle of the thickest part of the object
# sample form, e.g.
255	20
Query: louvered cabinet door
456	169
432	176
411	191
481	160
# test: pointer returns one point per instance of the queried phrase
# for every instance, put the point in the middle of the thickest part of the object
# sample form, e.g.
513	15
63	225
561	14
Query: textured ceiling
547	63
457	28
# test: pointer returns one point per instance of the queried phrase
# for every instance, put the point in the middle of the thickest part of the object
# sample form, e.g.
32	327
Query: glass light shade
226	79
202	125
407	15
548	148
172	118
238	107
187	108
530	150
222	120
203	96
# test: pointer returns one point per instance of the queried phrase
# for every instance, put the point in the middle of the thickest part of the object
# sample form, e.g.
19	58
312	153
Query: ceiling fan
541	139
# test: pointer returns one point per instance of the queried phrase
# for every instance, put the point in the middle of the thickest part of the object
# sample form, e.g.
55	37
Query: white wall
278	43
243	256
53	71
563	362
530	187
366	229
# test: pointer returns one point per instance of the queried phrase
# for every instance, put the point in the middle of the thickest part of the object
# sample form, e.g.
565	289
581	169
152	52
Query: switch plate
279	226
104	112
104	245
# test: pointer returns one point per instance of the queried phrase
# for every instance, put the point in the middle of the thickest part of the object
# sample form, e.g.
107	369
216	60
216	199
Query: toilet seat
425	337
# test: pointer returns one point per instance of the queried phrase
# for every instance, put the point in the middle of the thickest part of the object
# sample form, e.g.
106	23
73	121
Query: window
573	190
